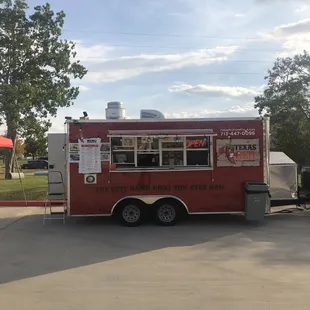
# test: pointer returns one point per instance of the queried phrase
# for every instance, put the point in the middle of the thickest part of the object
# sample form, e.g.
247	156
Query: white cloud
235	111
57	126
239	15
291	29
103	69
83	88
281	1
91	53
230	92
302	9
294	37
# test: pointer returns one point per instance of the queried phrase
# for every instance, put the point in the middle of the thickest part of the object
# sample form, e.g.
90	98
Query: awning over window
160	132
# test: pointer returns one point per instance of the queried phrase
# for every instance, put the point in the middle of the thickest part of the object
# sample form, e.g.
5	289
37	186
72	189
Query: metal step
59	203
55	199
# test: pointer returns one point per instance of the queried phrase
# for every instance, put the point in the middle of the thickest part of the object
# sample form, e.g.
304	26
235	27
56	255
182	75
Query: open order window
161	151
147	152
123	152
172	151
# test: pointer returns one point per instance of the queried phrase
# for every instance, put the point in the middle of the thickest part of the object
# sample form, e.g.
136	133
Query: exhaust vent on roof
147	114
115	110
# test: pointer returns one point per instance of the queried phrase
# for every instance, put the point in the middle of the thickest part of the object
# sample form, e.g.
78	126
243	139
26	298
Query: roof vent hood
151	114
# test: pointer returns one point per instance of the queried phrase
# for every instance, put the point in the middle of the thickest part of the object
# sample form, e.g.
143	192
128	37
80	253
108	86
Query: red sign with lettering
246	155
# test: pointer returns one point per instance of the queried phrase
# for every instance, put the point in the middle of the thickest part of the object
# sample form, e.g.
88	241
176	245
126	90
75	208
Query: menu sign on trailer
90	156
237	152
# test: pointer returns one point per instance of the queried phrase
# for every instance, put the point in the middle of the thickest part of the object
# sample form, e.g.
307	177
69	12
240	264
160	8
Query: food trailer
162	167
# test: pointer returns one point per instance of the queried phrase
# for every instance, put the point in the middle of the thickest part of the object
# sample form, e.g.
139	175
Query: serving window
123	152
147	152
169	152
197	151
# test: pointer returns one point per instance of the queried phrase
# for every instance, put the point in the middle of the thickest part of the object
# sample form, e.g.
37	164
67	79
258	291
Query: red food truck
162	167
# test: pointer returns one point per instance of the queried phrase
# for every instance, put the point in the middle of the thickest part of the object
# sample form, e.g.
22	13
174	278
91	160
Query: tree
36	138
36	146
286	101
36	68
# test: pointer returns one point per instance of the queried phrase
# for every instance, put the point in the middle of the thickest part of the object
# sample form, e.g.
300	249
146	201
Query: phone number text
238	133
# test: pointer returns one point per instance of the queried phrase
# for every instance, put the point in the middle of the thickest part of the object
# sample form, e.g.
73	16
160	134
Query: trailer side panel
219	188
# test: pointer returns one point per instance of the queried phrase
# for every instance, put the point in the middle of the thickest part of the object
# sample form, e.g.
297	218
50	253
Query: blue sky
186	58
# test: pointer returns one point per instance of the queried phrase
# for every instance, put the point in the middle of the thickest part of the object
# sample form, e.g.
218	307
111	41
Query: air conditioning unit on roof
151	114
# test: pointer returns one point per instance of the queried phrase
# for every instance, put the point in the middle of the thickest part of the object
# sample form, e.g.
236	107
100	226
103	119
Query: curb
30	203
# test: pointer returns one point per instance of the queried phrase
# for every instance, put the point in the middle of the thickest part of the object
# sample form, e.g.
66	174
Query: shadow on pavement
29	249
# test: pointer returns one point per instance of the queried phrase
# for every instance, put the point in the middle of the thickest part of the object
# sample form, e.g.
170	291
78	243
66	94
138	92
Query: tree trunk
7	162
9	158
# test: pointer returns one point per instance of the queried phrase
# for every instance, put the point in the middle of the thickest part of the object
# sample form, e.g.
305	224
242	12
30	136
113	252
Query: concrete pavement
208	263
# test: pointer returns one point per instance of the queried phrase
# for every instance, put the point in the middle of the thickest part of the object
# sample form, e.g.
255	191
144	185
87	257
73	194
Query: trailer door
57	161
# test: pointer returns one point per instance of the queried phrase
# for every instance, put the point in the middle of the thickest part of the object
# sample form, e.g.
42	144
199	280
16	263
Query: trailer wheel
130	214
167	213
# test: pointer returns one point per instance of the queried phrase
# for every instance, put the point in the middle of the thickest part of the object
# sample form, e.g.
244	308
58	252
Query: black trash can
256	201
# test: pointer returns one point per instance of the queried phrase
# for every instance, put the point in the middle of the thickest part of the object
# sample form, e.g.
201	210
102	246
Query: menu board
90	156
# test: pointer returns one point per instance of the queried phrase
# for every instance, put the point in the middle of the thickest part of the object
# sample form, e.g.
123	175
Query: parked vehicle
35	164
42	158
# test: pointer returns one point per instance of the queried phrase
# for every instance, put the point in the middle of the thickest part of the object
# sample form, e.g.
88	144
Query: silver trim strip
67	148
226	212
163	120
266	156
150	199
195	213
165	170
90	215
264	152
267	139
211	151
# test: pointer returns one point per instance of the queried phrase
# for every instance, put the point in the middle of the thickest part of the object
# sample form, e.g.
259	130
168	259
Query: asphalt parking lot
206	263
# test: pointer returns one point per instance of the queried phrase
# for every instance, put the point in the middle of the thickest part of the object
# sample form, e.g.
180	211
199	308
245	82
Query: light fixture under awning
159	132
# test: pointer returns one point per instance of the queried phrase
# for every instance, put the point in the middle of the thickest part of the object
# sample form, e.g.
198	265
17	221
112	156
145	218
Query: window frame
123	150
209	141
173	149
160	150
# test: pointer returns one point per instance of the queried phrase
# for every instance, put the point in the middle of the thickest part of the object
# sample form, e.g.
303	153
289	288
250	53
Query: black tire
130	213
167	213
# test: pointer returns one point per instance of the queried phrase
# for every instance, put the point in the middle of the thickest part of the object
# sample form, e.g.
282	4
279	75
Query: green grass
19	163
35	188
